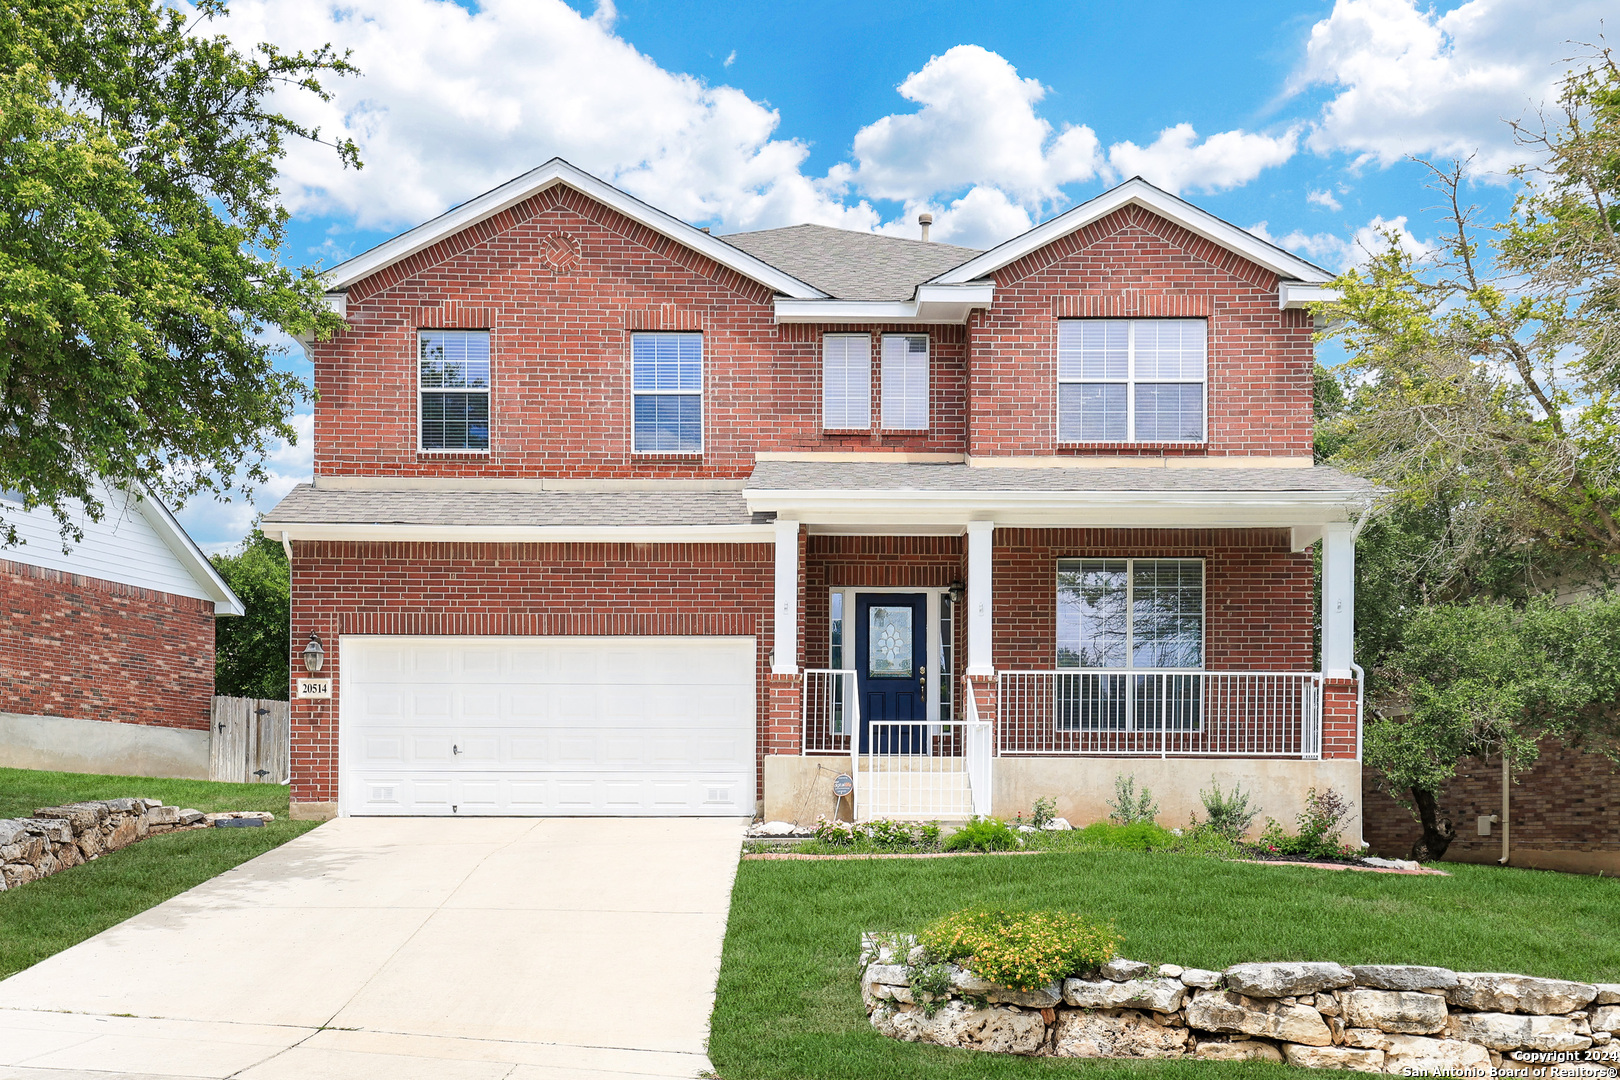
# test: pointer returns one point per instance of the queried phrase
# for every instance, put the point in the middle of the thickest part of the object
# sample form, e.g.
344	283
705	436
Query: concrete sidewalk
404	948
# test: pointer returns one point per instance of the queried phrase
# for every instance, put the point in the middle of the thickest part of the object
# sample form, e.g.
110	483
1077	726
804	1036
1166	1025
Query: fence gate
251	741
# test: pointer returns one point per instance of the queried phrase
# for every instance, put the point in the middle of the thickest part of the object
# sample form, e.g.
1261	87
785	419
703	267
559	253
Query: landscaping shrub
1042	813
1128	807
1138	836
984	834
1021	949
1319	826
887	835
1228	813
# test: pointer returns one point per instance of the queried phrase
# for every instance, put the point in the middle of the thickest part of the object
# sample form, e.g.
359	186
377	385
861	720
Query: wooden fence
251	741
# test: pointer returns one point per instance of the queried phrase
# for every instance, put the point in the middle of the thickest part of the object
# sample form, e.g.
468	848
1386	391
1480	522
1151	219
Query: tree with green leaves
140	228
251	651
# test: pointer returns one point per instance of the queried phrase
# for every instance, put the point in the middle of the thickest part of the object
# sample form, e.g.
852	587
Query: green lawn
788	1004
47	916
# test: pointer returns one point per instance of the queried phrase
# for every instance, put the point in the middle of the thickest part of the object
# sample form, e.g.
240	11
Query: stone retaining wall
58	837
1399	1019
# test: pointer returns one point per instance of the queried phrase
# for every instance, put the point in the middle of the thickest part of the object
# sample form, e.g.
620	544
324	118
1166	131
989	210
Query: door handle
454	749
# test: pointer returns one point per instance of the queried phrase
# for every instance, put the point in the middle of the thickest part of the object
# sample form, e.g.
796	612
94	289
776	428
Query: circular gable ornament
561	251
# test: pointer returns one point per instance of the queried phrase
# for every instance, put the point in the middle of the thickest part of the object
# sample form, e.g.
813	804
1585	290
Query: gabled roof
852	265
1139	192
531	183
185	549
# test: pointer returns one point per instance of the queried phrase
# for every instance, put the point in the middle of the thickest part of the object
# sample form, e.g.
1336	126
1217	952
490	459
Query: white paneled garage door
547	725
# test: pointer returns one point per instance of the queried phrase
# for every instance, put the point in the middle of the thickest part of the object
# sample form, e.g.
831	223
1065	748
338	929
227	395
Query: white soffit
525	534
178	541
931	304
531	183
1290	268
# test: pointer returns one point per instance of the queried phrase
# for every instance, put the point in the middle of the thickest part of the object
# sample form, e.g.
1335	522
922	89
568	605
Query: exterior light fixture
956	589
314	655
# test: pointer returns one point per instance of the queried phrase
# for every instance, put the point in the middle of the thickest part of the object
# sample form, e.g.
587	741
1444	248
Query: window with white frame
1131	380
846	382
667	386
905	382
1142	621
452	386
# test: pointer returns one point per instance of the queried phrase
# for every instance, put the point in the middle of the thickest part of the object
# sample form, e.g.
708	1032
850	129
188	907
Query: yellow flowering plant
1024	950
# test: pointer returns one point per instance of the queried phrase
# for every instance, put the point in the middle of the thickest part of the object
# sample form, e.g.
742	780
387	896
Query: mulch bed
764	855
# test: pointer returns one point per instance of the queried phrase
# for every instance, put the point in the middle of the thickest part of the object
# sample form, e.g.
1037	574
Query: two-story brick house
614	516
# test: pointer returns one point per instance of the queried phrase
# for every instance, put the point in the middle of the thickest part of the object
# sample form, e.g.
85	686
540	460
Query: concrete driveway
398	949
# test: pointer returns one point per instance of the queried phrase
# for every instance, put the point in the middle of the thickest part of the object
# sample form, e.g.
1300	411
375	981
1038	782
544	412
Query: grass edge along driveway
46	916
788	1005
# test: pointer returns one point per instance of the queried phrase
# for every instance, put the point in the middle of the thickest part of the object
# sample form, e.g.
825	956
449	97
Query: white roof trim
1140	193
1295	294
527	534
531	183
932	304
190	555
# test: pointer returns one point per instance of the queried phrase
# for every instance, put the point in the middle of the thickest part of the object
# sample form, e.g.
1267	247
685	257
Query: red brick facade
89	649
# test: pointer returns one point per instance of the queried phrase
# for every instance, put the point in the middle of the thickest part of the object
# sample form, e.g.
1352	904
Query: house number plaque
314	688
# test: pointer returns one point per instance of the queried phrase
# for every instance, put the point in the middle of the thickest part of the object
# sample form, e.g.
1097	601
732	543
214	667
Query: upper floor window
846	382
452	374
667	384
905	382
1131	380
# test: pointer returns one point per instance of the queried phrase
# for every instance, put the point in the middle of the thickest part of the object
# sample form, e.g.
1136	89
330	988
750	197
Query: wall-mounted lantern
956	589
314	655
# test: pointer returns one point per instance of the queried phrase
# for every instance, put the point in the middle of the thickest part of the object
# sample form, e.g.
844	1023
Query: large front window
667	384
452	383
1141	621
1131	380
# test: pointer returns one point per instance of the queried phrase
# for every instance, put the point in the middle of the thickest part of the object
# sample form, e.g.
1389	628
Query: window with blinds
846	382
452	388
1131	380
666	379
905	382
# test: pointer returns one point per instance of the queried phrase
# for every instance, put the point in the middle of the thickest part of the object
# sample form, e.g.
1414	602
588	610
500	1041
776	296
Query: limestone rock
126	832
1492	992
163	815
1120	969
1057	824
12	830
1326	1004
16	874
1170	971
1407	1012
1413	1055
1606	1018
56	830
1366	1038
1127	1034
191	817
996	1029
1607	993
1248	1050
82	815
1215	1010
1201	979
1505	1031
1403	977
1286	980
893	974
1157	995
1333	1057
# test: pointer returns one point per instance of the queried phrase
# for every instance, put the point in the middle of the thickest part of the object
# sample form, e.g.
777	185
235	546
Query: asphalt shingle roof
881	476
307	504
852	265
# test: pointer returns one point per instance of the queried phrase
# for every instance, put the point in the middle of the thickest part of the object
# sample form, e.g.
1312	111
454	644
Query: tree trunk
1438	832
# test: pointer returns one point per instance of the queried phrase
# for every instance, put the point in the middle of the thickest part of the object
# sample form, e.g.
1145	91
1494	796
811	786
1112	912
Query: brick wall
98	650
516	589
1568	801
560	344
1135	264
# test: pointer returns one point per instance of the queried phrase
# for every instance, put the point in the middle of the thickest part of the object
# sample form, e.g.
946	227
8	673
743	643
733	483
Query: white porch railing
924	771
1160	713
832	711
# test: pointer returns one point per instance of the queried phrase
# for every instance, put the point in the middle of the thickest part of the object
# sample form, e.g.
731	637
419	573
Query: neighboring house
613	516
107	648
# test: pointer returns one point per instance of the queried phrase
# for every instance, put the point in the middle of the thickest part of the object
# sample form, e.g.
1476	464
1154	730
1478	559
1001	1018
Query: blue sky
1294	120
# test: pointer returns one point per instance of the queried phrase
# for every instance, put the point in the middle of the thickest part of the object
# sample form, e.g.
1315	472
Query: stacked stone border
1382	1018
58	837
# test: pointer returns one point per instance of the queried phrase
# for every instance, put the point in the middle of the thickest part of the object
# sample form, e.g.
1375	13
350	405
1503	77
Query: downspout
286	545
1361	676
1505	780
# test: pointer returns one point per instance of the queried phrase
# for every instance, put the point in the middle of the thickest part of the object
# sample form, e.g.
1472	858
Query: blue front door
891	653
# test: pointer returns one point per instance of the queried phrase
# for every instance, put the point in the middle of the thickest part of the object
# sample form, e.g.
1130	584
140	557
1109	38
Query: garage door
547	725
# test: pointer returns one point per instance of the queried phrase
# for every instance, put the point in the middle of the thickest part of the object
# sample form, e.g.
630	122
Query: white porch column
979	607
1338	600
785	646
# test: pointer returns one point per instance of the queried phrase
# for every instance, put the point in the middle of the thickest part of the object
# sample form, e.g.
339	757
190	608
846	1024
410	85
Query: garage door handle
454	749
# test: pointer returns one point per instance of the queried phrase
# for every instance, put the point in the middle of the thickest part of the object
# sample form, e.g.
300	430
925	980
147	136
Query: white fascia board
1296	294
1224	509
178	541
526	534
1141	193
945	304
531	183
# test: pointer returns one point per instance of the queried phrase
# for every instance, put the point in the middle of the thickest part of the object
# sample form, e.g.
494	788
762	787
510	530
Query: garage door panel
548	725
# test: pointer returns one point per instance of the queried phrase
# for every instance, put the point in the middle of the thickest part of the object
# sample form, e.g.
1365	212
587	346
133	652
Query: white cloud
982	218
1176	161
977	126
219	525
1427	82
1324	198
731	58
455	102
1340	253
